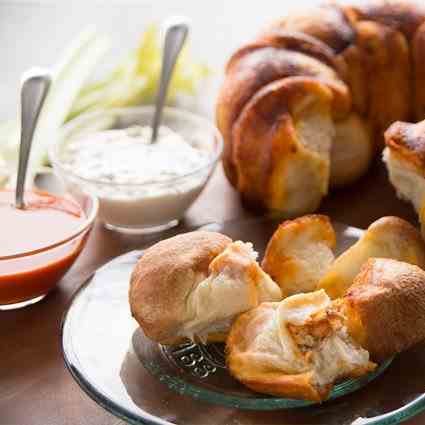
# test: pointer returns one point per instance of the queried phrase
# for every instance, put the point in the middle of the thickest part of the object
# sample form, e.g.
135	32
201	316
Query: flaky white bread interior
404	157
386	307
388	237
299	253
297	348
193	285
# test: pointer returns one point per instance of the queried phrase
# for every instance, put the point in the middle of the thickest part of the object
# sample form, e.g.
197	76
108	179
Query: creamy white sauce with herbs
137	183
127	156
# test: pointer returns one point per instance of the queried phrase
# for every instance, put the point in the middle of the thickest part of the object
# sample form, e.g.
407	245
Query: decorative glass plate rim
268	402
70	360
396	416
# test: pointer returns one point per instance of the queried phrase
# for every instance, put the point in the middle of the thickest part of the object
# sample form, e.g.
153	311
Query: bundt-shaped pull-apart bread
405	160
193	285
299	253
388	237
296	348
304	106
386	307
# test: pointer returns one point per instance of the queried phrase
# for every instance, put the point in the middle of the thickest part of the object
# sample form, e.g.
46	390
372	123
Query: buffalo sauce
27	269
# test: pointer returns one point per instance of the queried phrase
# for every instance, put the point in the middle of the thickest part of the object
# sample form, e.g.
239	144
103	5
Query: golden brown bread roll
350	49
299	253
386	307
388	237
193	285
296	348
405	160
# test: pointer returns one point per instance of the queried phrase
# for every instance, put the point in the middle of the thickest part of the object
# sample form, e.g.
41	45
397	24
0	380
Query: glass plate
145	383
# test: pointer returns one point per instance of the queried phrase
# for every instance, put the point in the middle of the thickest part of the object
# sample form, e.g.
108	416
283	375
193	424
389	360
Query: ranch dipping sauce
127	156
138	184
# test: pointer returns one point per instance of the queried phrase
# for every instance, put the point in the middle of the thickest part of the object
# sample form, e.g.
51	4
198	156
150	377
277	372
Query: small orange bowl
27	277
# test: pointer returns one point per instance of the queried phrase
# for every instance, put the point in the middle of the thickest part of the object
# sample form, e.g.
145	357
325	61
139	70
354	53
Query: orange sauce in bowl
30	270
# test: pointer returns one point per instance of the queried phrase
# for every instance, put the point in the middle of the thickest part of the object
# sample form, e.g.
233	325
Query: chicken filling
327	348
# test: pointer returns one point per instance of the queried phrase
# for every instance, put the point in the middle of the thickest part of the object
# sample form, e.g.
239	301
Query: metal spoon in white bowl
177	29
35	84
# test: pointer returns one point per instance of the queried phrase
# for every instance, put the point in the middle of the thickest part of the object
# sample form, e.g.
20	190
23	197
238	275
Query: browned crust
303	43
296	386
164	276
357	78
274	259
418	63
272	382
402	15
387	87
407	141
388	297
264	136
404	231
328	23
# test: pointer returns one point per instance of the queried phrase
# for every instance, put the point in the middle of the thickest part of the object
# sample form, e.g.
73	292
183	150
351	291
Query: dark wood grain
35	387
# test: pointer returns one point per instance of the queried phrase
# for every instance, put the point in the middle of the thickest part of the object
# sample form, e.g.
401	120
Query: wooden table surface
35	387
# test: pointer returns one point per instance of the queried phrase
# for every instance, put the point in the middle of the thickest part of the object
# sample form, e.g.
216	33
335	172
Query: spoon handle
177	30
34	86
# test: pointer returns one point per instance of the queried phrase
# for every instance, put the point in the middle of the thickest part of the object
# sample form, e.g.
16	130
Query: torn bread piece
388	237
404	157
193	285
297	348
299	253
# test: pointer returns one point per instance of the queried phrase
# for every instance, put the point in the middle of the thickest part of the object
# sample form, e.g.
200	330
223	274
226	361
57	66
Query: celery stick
69	76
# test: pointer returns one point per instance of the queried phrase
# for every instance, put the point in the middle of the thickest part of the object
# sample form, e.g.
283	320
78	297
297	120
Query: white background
35	32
